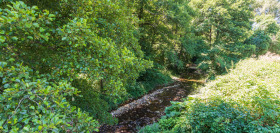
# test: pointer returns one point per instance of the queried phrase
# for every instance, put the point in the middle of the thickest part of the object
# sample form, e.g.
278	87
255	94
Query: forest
65	64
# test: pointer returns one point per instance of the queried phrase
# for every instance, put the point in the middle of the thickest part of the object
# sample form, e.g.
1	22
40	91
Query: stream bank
150	108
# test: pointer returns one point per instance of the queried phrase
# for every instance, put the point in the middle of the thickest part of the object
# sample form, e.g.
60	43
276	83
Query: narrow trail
149	108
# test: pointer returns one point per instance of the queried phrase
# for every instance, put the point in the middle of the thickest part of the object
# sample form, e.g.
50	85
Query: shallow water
134	119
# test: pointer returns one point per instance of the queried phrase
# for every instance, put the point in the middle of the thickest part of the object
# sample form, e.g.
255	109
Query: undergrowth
247	99
148	81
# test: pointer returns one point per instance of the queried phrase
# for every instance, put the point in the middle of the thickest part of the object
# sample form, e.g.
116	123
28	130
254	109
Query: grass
247	99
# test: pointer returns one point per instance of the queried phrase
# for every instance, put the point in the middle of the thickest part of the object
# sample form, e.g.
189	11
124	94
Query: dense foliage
31	102
68	52
267	19
245	100
82	58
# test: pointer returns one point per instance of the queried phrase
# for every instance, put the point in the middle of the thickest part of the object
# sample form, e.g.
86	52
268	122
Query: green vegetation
31	102
245	100
67	63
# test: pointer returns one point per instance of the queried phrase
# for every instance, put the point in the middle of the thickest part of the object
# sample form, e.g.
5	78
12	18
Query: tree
267	20
224	25
85	45
162	26
32	101
223	21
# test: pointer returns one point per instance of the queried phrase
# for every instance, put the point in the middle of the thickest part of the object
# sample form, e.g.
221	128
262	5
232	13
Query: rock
144	101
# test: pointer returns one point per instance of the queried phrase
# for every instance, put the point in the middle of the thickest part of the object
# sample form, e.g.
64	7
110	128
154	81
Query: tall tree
224	25
96	41
162	24
267	21
223	21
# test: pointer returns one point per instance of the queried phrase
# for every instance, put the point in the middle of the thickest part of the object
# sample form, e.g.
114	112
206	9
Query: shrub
91	102
148	81
65	48
31	102
245	100
261	40
222	57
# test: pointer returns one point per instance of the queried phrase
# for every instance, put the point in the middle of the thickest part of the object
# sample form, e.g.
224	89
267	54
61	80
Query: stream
150	108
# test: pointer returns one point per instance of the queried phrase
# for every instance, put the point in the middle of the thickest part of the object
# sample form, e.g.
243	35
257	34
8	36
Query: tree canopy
67	63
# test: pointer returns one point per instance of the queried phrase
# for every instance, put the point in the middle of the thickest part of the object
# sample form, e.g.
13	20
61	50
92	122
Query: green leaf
26	128
3	64
42	29
32	97
40	128
32	107
2	32
6	86
36	25
28	25
44	37
11	59
34	8
51	15
2	39
30	37
14	38
17	80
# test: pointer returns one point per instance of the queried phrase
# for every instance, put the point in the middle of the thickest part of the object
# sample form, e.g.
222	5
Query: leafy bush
28	36
91	102
31	102
261	40
266	31
154	128
222	57
245	100
65	48
148	81
275	45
